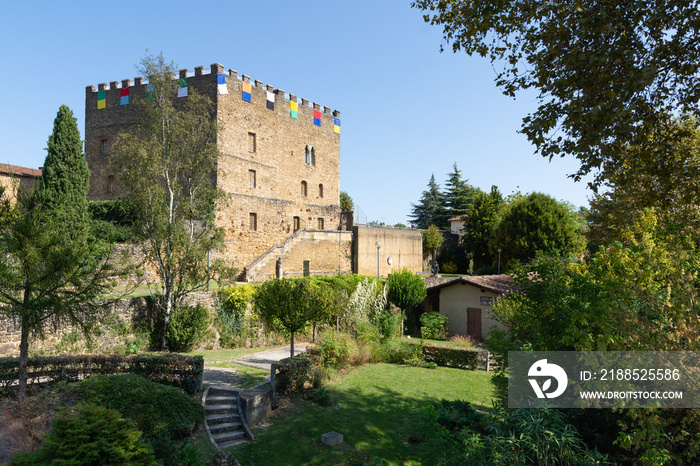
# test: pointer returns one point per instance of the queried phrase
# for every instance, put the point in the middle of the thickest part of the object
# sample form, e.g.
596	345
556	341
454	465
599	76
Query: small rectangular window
252	182
110	183
253	222
104	147
297	223
251	142
320	224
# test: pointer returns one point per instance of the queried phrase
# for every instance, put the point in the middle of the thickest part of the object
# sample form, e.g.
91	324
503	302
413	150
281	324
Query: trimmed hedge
293	373
454	357
168	369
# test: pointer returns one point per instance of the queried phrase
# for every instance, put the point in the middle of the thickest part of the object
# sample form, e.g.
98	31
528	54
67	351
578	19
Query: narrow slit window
252	142
304	188
253	221
252	179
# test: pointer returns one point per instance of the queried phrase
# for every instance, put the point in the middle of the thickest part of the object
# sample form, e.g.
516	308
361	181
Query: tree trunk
313	334
168	305
23	356
291	348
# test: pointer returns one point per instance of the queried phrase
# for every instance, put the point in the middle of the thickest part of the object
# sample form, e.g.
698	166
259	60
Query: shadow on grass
375	419
500	388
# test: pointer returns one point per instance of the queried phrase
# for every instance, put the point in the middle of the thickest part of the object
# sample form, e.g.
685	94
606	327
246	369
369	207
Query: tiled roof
458	218
16	170
494	283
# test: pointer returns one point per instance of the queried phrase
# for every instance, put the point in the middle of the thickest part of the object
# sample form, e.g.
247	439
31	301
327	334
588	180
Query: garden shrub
335	349
95	435
169	369
389	323
395	351
294	373
458	434
188	326
433	326
154	408
167	451
232	306
454	357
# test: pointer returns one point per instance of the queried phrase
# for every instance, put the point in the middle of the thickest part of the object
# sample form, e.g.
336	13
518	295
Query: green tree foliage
51	271
608	72
430	208
458	195
432	240
94	435
292	304
637	294
655	174
479	225
65	177
167	168
346	202
535	223
405	291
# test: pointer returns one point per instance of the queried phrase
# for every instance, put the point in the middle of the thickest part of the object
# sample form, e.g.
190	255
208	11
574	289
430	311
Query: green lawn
249	376
376	407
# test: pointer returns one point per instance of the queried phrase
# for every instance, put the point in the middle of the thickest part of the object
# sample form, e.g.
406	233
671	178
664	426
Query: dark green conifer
66	177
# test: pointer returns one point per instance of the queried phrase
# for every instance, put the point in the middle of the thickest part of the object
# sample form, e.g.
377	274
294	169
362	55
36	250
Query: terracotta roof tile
16	170
495	283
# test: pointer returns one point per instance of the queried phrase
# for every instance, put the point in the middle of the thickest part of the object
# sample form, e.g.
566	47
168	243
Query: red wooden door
474	323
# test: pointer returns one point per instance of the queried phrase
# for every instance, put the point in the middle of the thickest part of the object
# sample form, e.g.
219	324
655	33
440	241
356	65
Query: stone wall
400	249
112	333
328	253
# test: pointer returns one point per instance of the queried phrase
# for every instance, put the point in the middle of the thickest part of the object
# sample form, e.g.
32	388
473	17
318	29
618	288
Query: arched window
320	190
304	189
310	155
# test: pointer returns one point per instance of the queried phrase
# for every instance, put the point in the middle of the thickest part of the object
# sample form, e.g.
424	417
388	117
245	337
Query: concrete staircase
224	423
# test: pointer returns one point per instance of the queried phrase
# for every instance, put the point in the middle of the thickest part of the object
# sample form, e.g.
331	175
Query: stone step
224	427
215	419
214	391
221	400
232	443
226	437
221	409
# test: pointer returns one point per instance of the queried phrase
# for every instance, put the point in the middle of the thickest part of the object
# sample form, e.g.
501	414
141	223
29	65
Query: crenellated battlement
196	78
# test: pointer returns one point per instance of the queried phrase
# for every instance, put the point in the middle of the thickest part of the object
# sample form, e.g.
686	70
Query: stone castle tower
279	165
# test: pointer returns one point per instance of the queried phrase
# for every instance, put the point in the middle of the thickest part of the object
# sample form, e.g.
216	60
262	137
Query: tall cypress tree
66	177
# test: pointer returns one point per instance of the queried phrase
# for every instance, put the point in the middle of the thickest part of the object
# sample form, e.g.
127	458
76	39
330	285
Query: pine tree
459	194
66	177
430	209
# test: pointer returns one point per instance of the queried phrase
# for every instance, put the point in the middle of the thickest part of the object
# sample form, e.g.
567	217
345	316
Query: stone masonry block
332	439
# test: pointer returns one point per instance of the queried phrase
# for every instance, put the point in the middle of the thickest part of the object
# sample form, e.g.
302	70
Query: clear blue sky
407	111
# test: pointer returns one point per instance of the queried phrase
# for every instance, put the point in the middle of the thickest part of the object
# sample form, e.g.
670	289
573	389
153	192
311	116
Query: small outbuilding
466	301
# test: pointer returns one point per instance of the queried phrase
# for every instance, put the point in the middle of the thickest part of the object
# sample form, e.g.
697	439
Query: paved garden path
261	360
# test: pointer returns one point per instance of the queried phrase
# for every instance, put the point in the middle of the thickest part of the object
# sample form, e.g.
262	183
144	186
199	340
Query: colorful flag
336	125
221	83
293	109
101	99
317	117
124	96
247	90
182	87
270	100
150	92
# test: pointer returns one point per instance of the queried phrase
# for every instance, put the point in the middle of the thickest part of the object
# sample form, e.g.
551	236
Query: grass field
376	407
